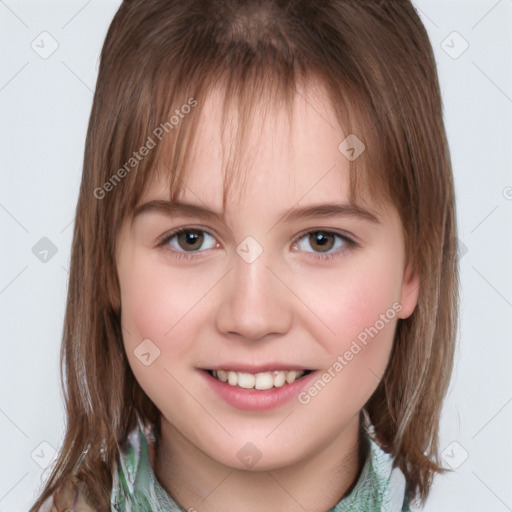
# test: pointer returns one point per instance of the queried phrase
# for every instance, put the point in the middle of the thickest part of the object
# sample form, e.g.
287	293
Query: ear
410	291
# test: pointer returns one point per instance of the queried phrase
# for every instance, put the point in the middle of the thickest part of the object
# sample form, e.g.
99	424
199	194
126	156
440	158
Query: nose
254	301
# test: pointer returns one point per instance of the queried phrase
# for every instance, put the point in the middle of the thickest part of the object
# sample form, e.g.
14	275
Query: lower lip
254	399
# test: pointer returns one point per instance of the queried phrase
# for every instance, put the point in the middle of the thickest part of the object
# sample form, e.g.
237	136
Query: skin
288	306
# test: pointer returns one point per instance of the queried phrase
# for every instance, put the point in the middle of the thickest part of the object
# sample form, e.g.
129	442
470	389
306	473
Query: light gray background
44	110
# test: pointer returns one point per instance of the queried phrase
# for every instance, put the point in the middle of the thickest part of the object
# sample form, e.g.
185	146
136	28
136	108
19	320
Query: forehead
270	158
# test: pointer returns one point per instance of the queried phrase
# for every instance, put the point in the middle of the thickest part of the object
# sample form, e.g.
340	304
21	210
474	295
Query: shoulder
70	496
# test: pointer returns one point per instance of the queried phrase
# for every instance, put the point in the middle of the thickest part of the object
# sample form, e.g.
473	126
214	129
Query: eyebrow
322	210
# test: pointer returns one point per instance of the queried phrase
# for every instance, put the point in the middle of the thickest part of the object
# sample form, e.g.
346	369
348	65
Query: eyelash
164	240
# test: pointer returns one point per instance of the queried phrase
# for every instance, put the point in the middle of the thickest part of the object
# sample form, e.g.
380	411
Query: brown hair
375	61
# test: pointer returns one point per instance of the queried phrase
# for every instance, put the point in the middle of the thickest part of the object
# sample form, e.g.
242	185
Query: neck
198	482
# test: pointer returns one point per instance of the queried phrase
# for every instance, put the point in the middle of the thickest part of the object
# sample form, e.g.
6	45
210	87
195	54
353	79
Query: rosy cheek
377	315
353	299
351	309
158	305
153	310
148	306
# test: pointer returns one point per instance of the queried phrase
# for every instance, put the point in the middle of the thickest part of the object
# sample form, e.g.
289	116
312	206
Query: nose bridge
254	303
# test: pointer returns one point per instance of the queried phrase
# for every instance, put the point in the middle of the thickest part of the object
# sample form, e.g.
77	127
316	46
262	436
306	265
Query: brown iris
192	239
321	238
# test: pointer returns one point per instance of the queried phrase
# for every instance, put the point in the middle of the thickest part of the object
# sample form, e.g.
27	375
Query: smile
259	381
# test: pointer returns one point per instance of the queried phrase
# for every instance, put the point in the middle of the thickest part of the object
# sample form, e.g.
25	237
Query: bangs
255	93
258	68
260	57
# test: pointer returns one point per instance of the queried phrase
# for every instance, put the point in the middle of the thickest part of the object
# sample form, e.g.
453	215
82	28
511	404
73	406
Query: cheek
158	305
354	296
364	321
146	305
358	308
153	295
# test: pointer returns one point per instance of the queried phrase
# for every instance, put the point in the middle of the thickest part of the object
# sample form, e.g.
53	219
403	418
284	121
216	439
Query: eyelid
349	243
168	234
349	237
333	231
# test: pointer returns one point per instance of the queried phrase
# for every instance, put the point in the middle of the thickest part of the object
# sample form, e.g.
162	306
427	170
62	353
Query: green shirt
379	488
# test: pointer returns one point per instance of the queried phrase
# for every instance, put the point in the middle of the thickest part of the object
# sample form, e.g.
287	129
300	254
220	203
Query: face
261	298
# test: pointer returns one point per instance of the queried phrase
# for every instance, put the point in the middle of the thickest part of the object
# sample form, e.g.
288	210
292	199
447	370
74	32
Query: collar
379	488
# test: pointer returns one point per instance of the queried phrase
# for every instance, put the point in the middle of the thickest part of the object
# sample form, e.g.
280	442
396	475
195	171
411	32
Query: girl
263	293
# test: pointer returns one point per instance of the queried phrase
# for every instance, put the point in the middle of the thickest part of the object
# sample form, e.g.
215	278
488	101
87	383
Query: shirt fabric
379	488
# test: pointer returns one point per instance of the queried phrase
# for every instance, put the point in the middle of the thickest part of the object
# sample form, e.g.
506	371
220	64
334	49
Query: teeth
264	381
222	375
245	380
232	378
279	379
290	377
261	381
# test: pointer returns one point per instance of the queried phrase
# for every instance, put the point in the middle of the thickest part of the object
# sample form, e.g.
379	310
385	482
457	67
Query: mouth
259	381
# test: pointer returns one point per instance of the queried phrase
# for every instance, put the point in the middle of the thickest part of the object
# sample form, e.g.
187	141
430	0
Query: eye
187	240
326	244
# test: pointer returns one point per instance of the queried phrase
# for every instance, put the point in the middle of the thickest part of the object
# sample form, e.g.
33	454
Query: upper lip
261	368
